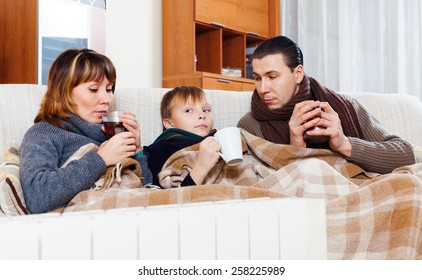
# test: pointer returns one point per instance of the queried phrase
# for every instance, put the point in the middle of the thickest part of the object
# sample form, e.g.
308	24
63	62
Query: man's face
275	82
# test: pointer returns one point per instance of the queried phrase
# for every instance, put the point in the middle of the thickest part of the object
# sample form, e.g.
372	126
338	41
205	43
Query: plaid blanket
125	174
369	216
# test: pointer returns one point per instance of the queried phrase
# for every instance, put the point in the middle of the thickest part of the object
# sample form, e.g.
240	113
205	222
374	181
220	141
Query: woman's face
196	117
274	80
93	100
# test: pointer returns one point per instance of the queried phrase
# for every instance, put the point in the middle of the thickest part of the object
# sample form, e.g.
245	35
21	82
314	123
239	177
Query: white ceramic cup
230	141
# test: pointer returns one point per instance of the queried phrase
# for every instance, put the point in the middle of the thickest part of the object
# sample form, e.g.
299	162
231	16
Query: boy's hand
208	157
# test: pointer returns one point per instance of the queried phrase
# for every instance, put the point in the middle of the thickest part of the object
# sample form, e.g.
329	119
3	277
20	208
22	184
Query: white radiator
241	229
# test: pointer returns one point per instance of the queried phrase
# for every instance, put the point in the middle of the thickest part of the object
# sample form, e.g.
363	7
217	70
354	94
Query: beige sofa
401	114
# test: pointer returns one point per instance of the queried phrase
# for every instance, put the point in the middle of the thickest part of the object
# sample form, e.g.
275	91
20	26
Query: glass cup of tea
112	123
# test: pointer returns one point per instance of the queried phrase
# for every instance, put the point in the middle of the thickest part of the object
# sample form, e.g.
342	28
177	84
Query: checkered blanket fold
369	216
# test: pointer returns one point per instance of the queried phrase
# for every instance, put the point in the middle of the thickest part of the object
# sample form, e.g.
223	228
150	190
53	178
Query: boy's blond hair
179	95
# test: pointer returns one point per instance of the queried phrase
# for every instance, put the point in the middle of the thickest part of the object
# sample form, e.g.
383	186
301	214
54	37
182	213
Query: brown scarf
274	123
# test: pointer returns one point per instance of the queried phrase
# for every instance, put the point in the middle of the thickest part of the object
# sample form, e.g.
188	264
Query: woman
288	105
80	89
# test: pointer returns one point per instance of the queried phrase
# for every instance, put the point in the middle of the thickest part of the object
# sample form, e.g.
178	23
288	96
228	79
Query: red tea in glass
112	124
112	128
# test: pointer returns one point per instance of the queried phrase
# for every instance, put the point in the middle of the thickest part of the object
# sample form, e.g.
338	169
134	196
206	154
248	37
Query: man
289	107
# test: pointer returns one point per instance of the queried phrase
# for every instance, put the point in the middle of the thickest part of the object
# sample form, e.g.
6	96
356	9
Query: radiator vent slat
255	229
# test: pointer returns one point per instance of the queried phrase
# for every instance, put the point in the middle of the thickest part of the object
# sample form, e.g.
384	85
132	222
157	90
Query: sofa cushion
12	202
400	114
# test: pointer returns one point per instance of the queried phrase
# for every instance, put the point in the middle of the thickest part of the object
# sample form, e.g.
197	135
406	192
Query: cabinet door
18	45
219	12
248	86
248	16
253	17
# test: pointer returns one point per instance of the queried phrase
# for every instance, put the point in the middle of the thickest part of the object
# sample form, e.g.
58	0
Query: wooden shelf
201	37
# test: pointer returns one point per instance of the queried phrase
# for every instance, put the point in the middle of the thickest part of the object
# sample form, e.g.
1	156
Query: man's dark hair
290	51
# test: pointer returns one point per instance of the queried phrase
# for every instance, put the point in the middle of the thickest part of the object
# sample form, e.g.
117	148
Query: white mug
230	141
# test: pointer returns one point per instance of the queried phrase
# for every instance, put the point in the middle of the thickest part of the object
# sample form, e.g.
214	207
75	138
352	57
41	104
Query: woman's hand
118	147
131	124
208	157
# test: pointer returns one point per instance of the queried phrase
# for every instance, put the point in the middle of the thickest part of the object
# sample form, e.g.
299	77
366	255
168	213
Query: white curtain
359	45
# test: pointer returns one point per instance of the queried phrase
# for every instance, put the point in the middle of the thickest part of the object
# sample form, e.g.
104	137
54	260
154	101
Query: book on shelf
249	71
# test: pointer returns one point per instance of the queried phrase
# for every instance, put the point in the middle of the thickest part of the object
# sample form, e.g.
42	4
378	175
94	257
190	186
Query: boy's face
193	117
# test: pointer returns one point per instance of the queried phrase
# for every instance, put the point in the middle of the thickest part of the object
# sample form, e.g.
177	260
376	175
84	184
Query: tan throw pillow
12	202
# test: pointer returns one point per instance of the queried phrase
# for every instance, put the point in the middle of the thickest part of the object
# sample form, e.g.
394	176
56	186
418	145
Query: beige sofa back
400	114
20	103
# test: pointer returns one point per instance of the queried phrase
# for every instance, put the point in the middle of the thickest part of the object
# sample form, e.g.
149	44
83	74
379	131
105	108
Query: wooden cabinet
208	80
247	16
18	44
201	37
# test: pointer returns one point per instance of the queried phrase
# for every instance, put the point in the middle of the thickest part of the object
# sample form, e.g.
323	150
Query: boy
187	120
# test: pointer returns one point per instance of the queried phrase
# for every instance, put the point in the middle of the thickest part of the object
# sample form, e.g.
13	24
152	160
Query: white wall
133	41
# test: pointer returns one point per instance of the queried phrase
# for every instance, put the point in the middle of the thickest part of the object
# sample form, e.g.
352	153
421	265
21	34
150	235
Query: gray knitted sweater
45	148
378	151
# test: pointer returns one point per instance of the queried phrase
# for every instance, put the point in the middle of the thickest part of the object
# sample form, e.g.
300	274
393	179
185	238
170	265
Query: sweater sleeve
250	124
45	185
378	151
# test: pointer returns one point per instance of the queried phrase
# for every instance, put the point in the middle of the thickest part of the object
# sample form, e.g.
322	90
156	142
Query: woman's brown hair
70	69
